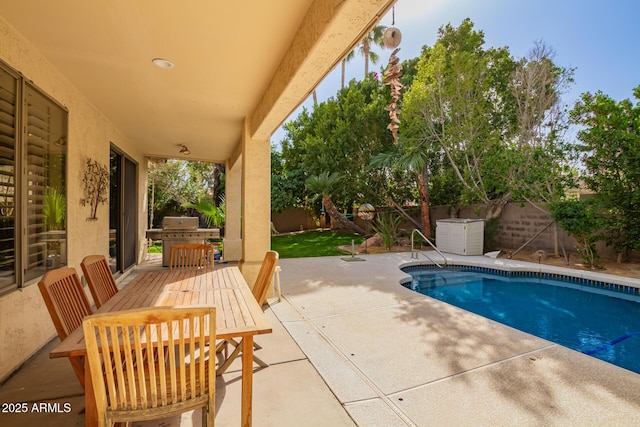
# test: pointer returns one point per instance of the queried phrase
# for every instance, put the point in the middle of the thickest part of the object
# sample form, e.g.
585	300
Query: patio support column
232	244
256	204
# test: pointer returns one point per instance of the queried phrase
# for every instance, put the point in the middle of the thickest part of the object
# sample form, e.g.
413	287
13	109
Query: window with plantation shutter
8	101
45	184
33	135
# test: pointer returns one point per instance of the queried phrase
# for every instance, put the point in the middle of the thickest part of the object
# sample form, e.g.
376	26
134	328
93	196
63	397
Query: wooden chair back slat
260	290
150	363
99	278
68	305
191	256
265	277
65	299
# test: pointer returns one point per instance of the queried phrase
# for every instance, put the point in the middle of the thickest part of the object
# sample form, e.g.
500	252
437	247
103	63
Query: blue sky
600	39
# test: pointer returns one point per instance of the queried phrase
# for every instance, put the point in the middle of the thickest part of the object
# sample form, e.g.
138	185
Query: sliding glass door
123	219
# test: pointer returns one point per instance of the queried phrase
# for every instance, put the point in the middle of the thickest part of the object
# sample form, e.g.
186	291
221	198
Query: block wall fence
518	223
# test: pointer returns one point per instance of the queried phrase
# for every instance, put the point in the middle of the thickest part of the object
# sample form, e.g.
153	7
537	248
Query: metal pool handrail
416	252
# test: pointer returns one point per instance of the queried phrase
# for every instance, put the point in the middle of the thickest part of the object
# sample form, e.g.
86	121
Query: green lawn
313	243
301	245
156	248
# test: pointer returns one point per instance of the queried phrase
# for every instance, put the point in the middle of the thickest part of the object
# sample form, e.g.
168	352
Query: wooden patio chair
191	255
68	305
260	290
99	278
129	390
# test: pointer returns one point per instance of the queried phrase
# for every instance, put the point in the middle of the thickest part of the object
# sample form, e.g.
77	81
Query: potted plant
54	209
54	212
213	215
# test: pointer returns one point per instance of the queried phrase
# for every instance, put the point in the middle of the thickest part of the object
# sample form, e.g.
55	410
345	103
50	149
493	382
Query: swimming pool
587	318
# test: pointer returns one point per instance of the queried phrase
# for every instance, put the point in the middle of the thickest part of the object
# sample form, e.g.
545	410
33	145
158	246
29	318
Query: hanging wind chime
392	74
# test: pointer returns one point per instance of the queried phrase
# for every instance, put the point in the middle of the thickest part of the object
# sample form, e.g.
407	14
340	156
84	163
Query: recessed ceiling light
162	63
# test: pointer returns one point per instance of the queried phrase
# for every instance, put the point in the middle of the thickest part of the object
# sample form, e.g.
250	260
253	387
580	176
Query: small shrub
581	220
491	231
388	226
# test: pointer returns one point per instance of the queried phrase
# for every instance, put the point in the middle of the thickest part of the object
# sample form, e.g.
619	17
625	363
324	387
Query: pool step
430	279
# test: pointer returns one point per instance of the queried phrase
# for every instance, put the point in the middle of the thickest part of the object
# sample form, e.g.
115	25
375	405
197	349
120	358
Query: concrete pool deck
393	357
351	346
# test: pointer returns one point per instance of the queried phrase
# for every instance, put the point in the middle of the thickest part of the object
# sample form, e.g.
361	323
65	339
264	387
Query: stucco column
232	243
256	204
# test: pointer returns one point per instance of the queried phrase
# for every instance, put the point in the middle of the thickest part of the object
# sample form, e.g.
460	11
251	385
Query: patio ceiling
234	60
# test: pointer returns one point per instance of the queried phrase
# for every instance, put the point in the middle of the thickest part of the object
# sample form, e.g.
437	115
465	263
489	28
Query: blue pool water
559	310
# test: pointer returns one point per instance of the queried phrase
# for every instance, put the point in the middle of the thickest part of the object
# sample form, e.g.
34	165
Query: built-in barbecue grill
177	230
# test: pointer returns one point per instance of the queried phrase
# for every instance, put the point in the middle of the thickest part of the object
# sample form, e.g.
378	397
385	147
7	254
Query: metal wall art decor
366	211
96	187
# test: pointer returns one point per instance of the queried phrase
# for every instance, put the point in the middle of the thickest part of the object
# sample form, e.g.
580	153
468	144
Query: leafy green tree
176	183
493	124
610	147
541	160
455	110
287	184
342	135
211	177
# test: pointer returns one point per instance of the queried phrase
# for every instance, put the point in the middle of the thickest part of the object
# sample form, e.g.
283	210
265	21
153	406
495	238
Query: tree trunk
216	187
424	205
404	213
338	218
556	240
344	62
494	210
366	49
153	196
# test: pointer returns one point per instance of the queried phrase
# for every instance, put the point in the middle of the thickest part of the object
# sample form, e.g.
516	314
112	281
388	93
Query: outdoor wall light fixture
184	150
162	63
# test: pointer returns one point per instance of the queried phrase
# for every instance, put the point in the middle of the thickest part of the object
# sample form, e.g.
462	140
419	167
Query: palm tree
213	215
373	38
415	160
321	184
346	59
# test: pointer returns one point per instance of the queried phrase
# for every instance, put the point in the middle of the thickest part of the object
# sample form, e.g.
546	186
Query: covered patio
229	74
351	346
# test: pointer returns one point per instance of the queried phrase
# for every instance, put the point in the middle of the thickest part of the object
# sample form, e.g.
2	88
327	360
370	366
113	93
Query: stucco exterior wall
25	324
256	206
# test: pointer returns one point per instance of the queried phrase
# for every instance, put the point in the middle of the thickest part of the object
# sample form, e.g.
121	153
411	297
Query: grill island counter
177	230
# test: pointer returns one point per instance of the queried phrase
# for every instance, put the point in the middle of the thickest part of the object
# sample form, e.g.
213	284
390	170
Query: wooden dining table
237	316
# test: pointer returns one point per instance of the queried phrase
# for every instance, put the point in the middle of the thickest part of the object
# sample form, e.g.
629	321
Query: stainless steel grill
177	230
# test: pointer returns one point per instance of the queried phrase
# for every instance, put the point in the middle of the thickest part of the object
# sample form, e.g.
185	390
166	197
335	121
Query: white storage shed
460	236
